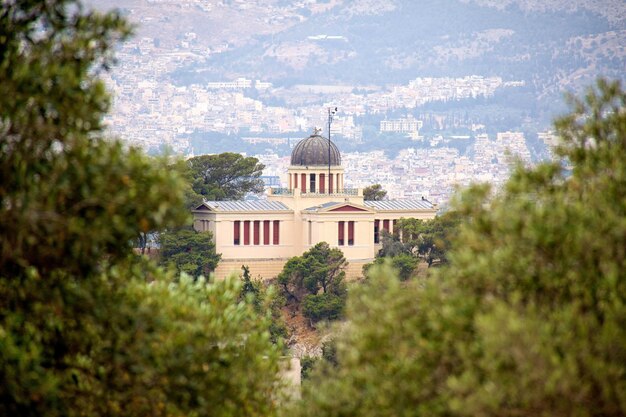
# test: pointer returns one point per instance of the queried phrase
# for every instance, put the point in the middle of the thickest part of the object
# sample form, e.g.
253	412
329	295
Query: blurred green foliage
328	358
528	317
86	326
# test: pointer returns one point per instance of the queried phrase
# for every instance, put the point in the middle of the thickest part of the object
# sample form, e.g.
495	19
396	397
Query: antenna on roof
331	113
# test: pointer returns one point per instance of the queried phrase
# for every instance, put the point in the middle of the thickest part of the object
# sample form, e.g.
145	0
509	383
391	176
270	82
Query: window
266	232
386	225
303	182
351	233
236	226
246	232
396	232
312	182
322	186
340	234
257	232
276	232
376	231
330	187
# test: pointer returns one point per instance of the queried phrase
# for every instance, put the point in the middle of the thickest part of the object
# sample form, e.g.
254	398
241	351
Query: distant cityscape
150	111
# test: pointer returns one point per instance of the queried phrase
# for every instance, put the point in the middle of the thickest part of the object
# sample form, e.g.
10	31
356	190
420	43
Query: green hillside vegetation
426	38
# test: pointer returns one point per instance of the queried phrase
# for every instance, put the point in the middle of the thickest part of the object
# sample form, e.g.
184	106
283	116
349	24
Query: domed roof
313	151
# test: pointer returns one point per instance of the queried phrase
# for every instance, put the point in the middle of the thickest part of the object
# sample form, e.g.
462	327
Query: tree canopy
415	241
82	332
528	317
225	176
374	192
315	281
188	251
430	240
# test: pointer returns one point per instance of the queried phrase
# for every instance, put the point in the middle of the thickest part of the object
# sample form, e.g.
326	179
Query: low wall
266	268
270	268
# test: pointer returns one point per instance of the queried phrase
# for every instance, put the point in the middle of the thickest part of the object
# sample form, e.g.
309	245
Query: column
261	232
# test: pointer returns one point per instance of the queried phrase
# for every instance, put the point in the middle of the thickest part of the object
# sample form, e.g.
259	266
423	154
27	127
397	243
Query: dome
313	151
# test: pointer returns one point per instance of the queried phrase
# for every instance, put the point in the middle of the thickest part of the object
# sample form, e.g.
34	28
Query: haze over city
430	94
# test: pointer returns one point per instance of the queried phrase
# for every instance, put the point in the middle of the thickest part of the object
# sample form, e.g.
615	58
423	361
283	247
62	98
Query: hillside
553	45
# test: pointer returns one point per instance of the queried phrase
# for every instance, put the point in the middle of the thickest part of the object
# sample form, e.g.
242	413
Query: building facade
315	207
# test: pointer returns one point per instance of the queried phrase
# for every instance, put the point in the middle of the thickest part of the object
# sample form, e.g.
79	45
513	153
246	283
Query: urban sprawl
150	111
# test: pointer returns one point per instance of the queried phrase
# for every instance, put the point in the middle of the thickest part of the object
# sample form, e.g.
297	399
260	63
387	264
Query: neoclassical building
316	207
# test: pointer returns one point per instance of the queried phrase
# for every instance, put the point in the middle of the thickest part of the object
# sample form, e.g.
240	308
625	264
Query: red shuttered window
350	233
276	232
340	233
257	232
266	232
246	232
236	226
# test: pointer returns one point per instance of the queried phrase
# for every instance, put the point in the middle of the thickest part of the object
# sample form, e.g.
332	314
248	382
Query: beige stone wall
270	268
354	271
265	268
